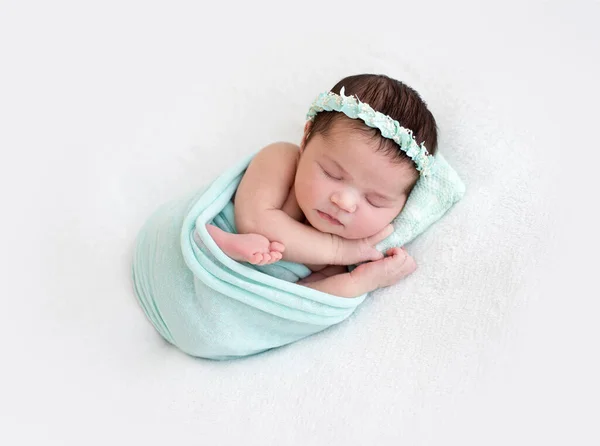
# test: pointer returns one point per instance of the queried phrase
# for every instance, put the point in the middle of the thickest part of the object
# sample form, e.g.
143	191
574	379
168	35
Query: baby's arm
259	200
368	276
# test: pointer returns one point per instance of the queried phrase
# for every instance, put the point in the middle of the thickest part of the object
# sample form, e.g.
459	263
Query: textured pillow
430	199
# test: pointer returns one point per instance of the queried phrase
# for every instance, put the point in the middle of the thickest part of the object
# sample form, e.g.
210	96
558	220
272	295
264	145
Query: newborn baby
329	201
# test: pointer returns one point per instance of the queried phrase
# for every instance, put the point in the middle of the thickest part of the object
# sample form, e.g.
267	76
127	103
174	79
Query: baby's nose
345	200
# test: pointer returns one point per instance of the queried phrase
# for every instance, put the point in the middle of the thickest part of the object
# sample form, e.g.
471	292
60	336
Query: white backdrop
108	109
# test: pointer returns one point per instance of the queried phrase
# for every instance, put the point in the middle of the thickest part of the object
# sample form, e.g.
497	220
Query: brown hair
392	98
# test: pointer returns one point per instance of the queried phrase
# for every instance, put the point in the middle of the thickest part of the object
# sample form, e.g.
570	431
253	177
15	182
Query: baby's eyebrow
339	166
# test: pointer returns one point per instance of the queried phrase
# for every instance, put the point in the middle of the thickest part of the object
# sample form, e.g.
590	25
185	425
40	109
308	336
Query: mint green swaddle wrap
211	306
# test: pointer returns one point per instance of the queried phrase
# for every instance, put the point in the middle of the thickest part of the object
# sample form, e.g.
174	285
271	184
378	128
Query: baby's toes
266	259
275	256
256	258
276	246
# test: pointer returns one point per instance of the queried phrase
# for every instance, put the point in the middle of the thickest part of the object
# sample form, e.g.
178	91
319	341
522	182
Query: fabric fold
210	306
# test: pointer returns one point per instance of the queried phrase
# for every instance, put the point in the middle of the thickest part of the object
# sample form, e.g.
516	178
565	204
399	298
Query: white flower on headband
389	128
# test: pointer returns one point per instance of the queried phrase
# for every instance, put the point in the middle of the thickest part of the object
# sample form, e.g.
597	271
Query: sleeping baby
329	201
291	239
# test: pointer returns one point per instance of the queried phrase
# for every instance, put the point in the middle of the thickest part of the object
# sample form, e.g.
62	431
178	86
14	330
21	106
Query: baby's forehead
361	153
375	169
347	143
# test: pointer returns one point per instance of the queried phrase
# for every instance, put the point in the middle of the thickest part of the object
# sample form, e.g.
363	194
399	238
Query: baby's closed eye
329	174
373	202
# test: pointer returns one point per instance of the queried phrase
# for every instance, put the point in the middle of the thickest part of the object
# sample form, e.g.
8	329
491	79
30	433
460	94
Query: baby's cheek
371	228
372	223
362	228
306	194
314	190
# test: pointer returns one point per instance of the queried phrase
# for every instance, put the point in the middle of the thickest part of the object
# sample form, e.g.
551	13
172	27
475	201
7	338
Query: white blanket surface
107	111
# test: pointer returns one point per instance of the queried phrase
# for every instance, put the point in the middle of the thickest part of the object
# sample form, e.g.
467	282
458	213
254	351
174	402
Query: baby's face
345	187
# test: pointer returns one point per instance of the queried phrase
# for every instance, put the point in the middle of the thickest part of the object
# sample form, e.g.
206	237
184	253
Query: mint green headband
390	128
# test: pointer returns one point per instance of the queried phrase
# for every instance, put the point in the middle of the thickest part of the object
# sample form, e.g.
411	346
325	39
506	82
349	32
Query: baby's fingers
407	263
374	255
396	252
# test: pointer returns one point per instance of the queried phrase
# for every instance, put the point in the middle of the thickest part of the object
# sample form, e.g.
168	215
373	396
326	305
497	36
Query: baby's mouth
329	218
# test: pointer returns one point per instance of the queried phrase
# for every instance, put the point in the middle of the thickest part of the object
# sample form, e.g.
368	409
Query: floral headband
353	108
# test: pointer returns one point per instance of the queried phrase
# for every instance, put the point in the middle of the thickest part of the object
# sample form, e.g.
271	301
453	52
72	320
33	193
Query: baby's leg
251	248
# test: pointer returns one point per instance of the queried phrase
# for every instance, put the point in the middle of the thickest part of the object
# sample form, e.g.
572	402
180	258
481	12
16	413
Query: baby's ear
307	129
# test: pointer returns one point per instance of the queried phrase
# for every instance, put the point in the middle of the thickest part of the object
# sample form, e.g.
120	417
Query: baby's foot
252	248
389	270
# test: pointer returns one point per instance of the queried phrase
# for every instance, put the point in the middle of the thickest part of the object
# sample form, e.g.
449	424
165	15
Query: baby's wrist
349	252
337	250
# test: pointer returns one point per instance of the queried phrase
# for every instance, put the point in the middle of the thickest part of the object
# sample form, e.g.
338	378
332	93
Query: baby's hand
362	250
387	271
